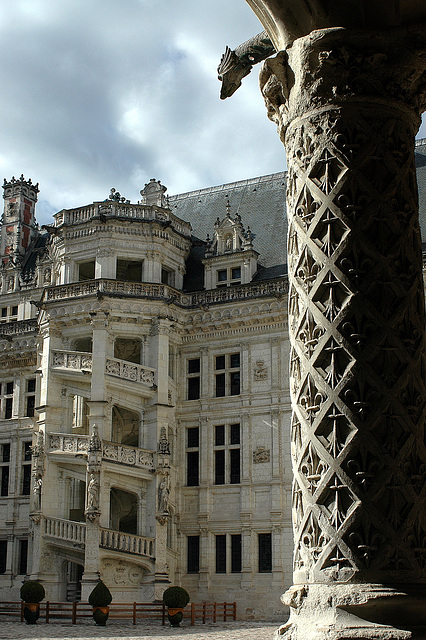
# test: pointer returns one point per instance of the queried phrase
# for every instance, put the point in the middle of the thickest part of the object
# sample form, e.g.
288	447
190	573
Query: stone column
347	106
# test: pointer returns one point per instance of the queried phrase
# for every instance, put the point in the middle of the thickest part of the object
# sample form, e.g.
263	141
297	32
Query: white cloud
109	93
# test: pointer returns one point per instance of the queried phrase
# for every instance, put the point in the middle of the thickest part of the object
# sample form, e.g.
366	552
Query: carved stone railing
276	287
65	530
111	288
133	456
129	371
108	210
66	443
17	327
127	542
75	360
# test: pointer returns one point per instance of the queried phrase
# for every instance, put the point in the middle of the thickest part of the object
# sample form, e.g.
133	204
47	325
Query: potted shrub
100	598
32	593
175	599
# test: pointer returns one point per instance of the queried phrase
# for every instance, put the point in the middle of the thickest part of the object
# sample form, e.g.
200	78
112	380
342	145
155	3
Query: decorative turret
18	222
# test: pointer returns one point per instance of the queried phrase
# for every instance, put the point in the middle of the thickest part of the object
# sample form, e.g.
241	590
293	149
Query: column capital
336	67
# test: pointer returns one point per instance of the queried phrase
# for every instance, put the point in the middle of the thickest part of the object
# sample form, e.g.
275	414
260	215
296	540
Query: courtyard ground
124	629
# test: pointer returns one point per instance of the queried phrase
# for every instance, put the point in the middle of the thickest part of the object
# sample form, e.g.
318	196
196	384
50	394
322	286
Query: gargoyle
235	65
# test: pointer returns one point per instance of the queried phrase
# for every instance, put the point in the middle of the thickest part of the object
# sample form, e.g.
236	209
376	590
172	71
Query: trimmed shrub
32	591
176	597
100	596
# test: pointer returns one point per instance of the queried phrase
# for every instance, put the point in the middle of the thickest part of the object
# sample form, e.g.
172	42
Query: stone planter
175	615
100	615
31	612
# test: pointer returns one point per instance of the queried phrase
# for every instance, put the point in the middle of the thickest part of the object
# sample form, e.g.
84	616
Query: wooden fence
75	611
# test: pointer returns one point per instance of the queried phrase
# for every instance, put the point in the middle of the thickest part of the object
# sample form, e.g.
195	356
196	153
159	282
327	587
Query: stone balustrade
111	452
123	454
115	288
122	210
76	360
127	542
66	443
129	371
18	327
66	530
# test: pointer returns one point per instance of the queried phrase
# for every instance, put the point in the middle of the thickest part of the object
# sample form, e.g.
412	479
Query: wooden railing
75	611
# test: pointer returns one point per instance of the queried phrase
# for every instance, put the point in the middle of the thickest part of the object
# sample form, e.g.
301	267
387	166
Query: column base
353	612
88	583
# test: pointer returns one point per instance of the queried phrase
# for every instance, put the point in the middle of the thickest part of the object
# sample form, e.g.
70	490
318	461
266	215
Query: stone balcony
276	287
81	361
109	210
18	327
73	533
63	444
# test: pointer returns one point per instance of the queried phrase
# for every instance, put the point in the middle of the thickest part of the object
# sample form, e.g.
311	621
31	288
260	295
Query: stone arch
123	513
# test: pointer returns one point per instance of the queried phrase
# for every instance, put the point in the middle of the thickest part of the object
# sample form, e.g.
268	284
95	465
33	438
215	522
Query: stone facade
145	418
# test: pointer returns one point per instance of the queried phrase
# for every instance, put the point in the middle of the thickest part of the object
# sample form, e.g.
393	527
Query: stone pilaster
347	106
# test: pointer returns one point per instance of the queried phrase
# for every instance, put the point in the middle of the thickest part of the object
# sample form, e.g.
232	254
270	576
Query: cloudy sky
110	93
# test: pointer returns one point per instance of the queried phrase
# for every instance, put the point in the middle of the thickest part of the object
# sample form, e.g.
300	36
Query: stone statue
93	493
163	495
235	65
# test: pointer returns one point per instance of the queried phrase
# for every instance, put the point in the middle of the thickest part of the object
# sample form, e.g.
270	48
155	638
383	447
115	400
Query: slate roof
261	205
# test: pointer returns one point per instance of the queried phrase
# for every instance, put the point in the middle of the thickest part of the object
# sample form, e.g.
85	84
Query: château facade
145	401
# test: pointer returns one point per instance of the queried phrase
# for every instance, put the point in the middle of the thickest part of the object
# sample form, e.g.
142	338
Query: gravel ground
141	631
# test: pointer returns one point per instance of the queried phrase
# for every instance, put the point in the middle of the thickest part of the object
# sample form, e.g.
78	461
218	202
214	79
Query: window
193	558
227	458
4	462
6	395
23	557
129	270
86	271
226	277
8	314
224	545
193	379
167	276
26	469
30	398
265	552
221	554
3	555
227	377
192	456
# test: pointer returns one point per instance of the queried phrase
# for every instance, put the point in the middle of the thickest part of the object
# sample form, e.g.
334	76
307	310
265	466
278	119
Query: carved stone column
347	106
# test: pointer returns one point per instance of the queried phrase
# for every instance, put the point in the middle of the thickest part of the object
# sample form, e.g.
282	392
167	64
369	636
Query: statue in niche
37	487
93	493
163	495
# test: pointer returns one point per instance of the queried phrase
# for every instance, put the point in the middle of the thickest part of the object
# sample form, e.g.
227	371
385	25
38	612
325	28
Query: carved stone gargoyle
235	65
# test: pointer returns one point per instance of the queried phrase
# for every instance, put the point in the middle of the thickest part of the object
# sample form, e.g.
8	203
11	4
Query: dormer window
226	277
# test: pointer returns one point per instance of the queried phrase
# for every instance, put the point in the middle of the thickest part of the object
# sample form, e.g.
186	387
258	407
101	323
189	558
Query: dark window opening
23	557
8	408
4	481
265	552
234	459
193	388
193	560
219	466
193	437
86	271
129	270
30	406
6	452
221	554
31	385
192	473
220	385
236	554
3	555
